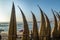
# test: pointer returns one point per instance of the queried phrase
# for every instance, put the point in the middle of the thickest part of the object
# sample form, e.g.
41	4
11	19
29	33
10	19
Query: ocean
5	26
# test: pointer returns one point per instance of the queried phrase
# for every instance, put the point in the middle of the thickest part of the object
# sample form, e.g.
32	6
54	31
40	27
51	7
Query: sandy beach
5	35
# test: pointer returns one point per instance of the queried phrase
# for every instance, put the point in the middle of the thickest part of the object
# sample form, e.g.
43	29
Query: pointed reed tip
39	7
13	2
52	10
32	13
19	8
44	14
55	11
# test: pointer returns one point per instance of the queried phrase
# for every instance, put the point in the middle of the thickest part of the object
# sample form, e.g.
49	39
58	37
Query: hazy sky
27	6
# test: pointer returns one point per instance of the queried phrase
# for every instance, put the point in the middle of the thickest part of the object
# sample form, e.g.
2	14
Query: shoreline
5	35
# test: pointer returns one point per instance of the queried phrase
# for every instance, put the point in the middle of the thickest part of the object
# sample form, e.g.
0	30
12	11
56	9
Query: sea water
5	26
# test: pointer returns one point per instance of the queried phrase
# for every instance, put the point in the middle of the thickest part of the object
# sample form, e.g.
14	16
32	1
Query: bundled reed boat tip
26	29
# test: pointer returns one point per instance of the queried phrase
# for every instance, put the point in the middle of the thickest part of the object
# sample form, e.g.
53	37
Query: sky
27	6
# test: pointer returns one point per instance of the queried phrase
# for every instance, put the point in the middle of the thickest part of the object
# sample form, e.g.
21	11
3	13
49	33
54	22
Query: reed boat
43	27
26	29
12	34
48	28
35	28
55	31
